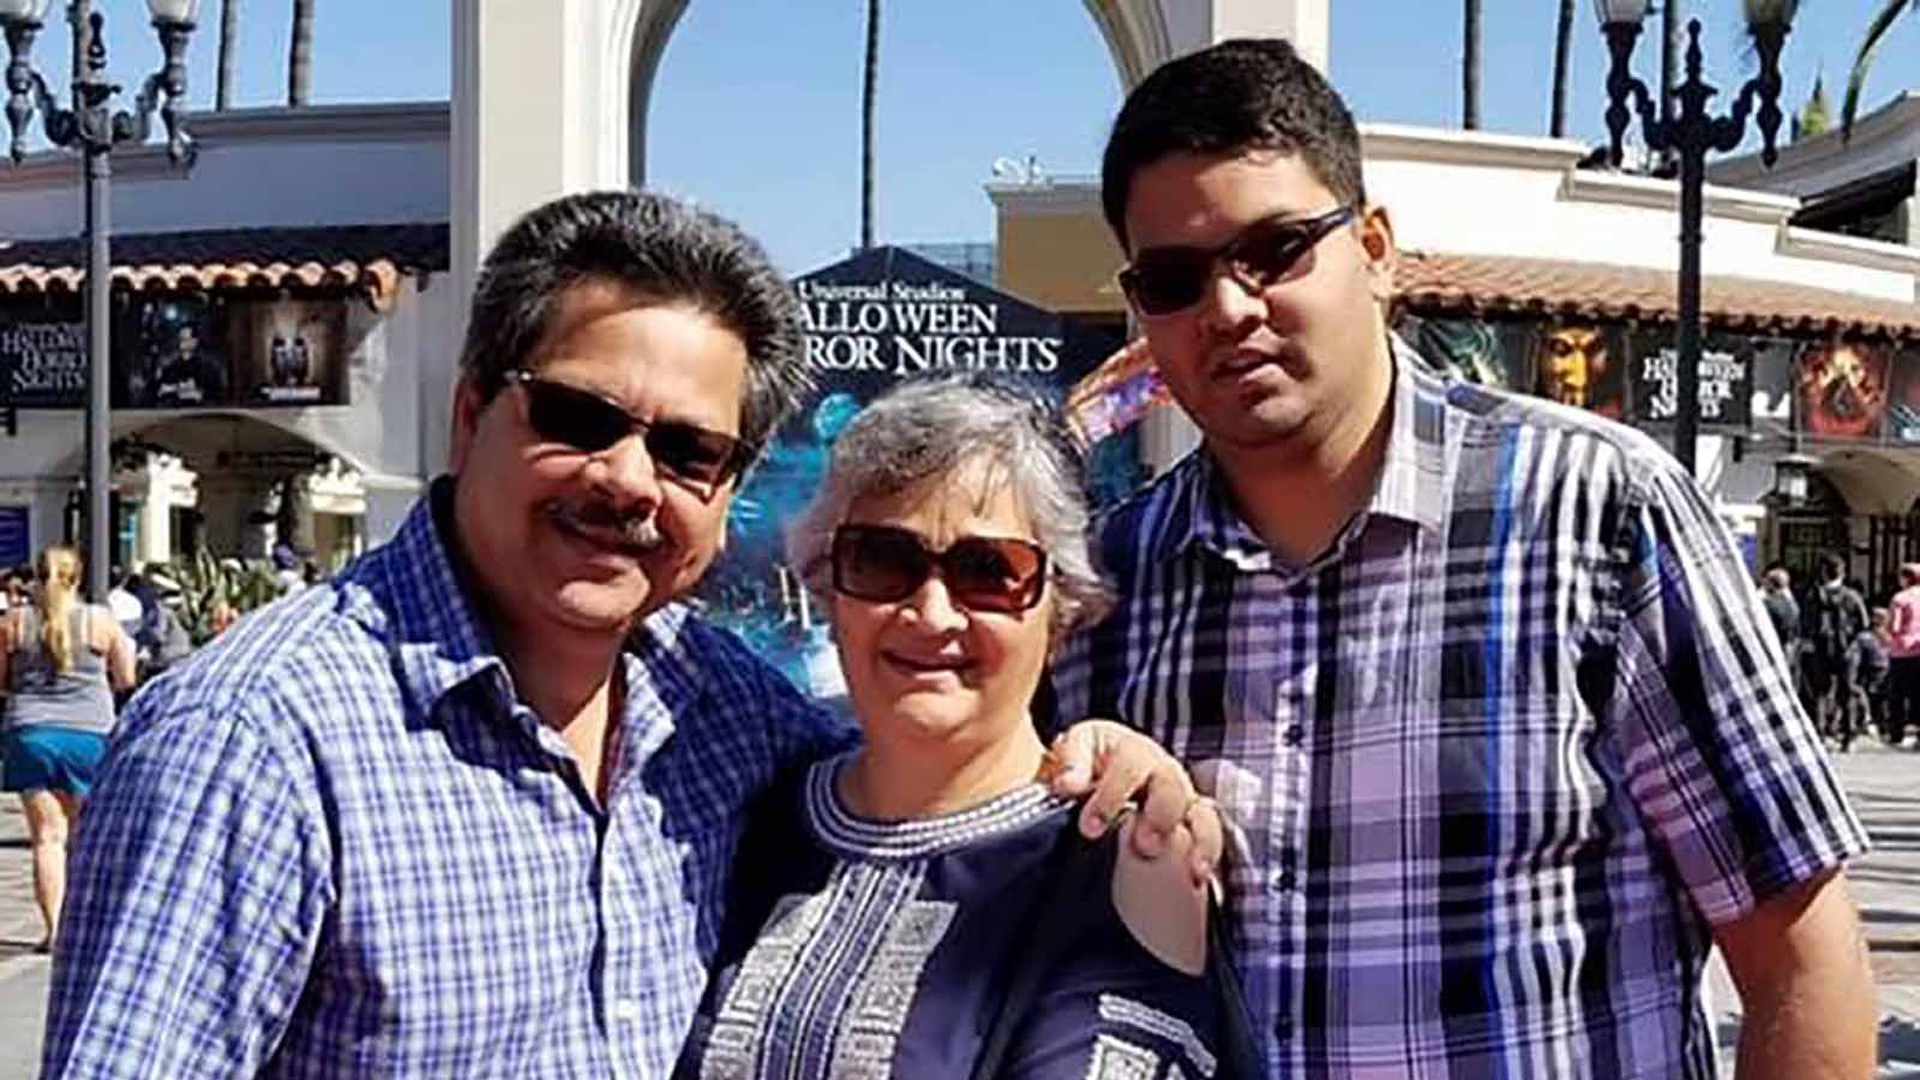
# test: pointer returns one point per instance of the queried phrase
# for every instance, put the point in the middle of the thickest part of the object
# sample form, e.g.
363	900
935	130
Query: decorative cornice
1056	196
1401	142
410	122
1803	243
1738	204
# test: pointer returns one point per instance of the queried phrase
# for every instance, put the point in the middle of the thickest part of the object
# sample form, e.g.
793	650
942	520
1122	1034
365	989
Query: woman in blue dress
886	901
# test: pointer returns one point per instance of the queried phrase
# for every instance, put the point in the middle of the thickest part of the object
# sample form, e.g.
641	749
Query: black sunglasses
885	564
586	421
1164	280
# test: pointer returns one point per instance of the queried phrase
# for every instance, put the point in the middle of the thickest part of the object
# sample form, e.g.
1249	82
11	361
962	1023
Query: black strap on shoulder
1064	903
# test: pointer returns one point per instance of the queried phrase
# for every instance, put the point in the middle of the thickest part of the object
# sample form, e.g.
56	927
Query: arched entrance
233	484
552	97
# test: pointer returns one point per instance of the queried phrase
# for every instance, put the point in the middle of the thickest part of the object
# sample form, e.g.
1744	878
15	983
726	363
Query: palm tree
1562	69
866	124
229	52
300	56
1470	69
1877	28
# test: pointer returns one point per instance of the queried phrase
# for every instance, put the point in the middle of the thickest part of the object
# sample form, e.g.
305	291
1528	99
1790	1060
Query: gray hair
661	249
930	427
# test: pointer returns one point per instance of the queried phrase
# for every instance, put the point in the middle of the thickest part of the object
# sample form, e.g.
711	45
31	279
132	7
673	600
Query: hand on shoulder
1162	907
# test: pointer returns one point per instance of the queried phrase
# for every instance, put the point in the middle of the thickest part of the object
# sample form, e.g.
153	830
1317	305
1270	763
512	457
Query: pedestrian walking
61	659
1831	621
1903	651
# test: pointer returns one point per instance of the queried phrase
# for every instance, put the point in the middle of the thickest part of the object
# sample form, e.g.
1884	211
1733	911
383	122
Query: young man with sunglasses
1490	695
469	807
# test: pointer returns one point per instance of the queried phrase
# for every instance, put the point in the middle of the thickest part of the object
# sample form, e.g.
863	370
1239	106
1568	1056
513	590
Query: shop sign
1725	382
43	363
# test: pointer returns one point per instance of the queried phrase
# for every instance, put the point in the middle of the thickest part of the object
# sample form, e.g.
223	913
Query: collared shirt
1502	756
335	844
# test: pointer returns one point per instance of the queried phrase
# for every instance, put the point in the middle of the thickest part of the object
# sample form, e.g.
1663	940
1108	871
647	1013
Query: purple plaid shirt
1502	756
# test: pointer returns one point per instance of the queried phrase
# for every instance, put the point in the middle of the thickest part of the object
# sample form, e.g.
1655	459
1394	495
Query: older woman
887	900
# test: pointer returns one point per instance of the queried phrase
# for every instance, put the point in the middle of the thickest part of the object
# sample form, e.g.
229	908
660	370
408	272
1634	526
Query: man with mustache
468	808
1496	705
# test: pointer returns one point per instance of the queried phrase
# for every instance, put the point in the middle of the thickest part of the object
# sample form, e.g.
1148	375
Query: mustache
637	534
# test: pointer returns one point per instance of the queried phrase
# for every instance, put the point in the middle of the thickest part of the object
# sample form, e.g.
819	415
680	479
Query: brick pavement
1884	784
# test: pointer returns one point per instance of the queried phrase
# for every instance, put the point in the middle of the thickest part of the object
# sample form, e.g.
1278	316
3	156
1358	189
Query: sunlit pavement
1884	784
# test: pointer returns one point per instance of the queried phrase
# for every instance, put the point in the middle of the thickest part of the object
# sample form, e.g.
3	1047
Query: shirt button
626	1009
1295	735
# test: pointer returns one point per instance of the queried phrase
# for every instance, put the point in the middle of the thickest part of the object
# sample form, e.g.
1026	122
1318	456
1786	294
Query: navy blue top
856	948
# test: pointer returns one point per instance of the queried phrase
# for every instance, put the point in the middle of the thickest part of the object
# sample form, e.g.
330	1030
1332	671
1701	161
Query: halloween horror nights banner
181	352
881	316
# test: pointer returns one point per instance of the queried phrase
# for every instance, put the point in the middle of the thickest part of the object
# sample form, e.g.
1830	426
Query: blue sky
757	107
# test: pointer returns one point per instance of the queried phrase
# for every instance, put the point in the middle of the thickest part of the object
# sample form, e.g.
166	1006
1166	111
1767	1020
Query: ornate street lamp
1790	474
93	129
1691	135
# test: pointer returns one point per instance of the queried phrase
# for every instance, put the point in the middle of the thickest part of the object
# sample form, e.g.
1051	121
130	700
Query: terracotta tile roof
366	258
1442	282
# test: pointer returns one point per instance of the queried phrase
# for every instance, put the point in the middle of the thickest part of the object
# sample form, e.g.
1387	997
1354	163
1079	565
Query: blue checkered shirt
1502	756
336	845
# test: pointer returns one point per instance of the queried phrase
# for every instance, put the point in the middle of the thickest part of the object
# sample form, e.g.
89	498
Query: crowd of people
1857	667
1405	729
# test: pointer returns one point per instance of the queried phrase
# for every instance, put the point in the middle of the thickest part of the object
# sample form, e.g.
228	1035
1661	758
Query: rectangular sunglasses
586	421
884	564
1165	280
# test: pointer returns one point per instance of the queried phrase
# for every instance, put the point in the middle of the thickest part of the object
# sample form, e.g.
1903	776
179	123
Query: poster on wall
16	546
1582	364
1726	383
1842	389
289	352
1903	411
171	355
881	316
43	362
1492	354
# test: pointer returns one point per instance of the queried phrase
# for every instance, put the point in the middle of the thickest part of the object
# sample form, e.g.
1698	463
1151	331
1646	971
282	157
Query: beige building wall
1061	262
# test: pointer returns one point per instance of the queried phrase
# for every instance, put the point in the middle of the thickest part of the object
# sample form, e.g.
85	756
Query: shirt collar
1410	489
438	637
441	641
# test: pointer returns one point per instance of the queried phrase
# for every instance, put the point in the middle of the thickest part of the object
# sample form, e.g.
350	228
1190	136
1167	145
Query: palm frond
1882	22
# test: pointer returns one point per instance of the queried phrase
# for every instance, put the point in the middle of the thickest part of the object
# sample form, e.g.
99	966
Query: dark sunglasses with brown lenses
885	564
1164	280
586	421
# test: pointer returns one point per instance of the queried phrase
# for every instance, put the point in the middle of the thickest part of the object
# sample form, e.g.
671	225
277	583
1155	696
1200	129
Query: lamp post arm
1623	88
162	92
28	93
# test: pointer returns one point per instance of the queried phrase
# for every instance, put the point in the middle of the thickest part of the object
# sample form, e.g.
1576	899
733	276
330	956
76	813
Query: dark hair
663	250
1832	566
1244	94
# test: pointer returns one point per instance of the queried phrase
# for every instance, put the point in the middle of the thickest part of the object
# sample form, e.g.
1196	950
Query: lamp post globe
170	12
1622	12
22	12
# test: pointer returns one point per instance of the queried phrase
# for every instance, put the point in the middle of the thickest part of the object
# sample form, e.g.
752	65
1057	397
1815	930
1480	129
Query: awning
367	259
1442	283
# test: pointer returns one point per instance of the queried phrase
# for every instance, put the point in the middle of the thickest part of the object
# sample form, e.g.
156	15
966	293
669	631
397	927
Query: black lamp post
93	129
1690	135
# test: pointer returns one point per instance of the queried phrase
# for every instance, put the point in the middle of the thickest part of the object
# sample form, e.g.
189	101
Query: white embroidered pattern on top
871	1028
733	1046
1118	1059
1136	1014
